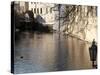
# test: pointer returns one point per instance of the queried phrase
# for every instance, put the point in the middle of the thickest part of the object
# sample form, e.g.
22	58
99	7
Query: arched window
41	10
50	10
37	10
46	10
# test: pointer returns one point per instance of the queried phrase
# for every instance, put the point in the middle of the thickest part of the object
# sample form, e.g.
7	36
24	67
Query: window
35	10
38	10
50	10
34	2
41	10
96	13
32	9
46	10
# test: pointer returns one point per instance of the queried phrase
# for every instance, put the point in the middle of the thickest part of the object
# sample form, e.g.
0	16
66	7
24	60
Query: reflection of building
43	12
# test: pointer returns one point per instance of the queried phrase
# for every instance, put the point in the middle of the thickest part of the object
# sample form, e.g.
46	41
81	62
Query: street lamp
59	6
93	53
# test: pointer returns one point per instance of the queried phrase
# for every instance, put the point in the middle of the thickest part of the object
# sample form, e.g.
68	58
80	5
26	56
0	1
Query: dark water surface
50	52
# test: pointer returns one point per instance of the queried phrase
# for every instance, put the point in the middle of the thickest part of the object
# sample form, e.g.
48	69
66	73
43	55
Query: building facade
43	12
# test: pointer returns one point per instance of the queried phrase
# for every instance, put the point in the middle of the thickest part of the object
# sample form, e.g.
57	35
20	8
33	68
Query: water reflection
50	52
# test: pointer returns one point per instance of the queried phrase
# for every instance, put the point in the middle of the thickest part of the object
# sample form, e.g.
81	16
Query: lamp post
59	6
93	53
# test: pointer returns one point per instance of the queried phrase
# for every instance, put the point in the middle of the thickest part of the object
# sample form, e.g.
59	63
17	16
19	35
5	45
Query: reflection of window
34	10
41	10
38	10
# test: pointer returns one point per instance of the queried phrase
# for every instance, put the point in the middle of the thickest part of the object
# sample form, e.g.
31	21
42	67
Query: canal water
37	52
